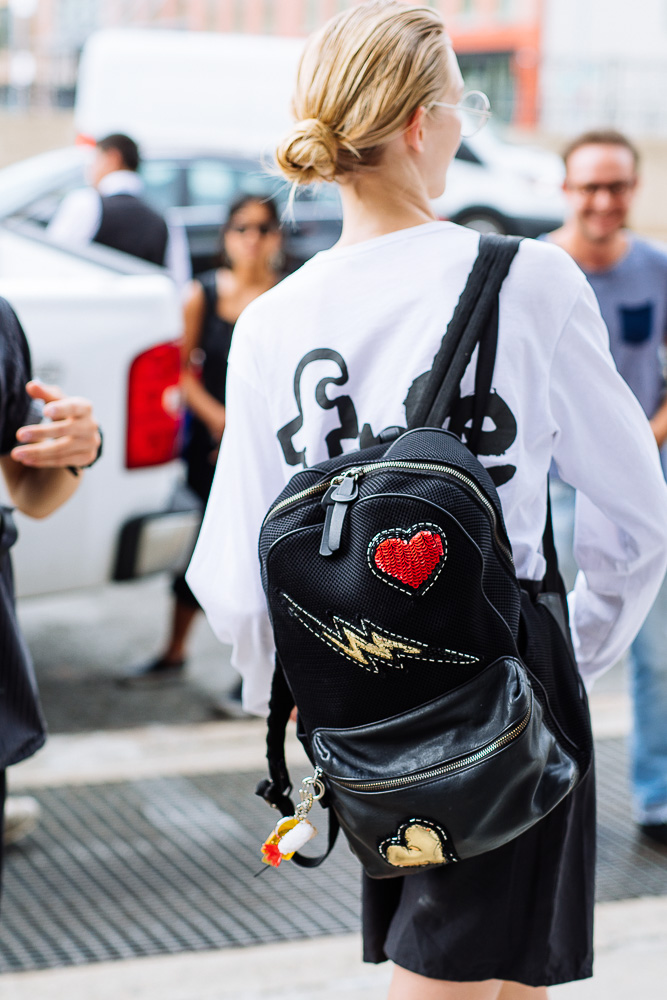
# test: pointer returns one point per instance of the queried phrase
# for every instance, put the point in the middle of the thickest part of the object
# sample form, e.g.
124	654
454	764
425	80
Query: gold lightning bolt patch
369	645
379	646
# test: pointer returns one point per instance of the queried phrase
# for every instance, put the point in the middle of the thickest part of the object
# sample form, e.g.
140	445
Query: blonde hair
360	78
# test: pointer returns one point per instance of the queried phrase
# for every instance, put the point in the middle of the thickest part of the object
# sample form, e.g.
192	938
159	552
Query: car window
259	181
163	180
42	209
215	182
211	182
325	193
465	153
25	181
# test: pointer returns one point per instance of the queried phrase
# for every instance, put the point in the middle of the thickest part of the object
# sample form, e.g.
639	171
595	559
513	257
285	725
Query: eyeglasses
614	188
474	110
262	228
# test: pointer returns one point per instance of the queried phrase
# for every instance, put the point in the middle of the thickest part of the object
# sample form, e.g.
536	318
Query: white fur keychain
291	833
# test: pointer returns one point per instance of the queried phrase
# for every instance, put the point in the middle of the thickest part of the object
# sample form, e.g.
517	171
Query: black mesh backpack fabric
438	699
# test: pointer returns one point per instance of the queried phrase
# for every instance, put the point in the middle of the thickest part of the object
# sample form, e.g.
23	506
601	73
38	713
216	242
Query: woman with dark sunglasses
249	261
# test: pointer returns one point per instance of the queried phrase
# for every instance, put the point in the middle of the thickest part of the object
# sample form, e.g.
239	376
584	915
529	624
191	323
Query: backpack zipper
312	491
440	769
361	470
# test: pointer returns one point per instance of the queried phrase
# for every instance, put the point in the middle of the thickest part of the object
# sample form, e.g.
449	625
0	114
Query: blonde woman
323	362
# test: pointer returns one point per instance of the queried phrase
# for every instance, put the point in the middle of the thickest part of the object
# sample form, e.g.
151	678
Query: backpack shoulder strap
429	400
209	282
277	789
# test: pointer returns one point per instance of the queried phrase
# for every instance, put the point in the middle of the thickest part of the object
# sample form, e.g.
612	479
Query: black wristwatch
76	469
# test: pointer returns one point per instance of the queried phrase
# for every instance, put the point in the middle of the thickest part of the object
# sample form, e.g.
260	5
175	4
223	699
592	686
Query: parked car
159	99
500	187
103	325
201	150
192	191
195	190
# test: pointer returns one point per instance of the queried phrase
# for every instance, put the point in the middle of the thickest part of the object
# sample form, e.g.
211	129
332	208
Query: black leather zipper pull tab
336	502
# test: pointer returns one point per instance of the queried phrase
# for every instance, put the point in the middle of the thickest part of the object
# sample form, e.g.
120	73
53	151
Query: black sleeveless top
215	340
130	225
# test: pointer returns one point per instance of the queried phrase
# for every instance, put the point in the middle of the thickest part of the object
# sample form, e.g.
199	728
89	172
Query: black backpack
438	697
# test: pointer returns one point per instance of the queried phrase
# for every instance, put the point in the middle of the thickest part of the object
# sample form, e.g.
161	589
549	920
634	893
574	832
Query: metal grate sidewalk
160	866
166	865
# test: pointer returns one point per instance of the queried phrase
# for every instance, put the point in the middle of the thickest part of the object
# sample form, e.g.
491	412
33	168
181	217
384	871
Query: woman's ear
414	132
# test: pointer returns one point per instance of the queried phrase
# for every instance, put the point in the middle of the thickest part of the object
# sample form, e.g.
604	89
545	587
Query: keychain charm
291	833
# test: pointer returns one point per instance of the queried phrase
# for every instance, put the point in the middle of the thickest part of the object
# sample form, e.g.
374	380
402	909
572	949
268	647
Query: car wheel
482	222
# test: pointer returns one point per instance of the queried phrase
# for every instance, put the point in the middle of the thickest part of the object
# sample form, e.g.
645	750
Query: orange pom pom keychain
292	832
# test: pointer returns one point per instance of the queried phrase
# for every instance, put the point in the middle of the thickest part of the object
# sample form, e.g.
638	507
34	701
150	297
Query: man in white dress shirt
113	212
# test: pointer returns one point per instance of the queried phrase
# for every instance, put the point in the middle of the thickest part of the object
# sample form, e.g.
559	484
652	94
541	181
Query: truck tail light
153	411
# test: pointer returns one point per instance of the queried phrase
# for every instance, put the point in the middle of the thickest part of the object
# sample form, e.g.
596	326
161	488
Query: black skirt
522	913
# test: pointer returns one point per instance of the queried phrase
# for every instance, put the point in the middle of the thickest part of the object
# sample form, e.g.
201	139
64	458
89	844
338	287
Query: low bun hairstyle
309	153
360	78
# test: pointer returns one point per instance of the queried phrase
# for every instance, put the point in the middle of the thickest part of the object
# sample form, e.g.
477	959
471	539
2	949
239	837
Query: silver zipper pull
355	473
336	501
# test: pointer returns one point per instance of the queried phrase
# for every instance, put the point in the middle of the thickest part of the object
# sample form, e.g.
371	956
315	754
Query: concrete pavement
204	748
631	961
631	936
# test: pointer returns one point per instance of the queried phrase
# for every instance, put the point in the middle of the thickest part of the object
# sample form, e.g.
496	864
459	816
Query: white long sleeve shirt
79	216
369	318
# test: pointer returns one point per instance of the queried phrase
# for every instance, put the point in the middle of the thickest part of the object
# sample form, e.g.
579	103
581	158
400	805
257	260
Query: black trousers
199	479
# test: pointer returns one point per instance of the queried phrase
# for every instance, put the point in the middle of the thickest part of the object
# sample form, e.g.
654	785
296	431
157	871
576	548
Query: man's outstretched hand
69	438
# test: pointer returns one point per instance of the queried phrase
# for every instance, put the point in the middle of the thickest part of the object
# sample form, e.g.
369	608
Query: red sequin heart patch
412	561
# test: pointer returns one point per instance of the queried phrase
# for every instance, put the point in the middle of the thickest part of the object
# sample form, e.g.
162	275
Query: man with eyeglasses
629	277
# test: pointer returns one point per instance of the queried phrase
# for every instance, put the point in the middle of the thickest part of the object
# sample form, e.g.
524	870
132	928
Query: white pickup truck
103	325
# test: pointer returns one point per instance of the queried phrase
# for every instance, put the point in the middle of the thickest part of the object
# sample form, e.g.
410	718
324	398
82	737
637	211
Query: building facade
498	43
498	40
604	63
559	65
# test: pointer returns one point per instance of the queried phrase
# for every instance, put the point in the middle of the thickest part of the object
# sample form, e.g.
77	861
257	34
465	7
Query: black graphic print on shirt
349	428
493	442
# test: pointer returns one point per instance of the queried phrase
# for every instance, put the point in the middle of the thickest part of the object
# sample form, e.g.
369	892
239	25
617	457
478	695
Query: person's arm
603	446
659	424
38	470
177	256
77	218
659	418
224	573
205	406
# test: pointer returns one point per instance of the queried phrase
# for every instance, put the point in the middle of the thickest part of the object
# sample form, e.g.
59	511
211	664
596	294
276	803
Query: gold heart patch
417	843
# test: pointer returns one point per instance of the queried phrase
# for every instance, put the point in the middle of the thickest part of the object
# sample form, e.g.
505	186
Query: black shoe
154	673
655	831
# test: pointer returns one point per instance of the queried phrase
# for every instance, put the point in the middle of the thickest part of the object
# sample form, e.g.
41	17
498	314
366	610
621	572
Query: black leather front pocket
454	778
